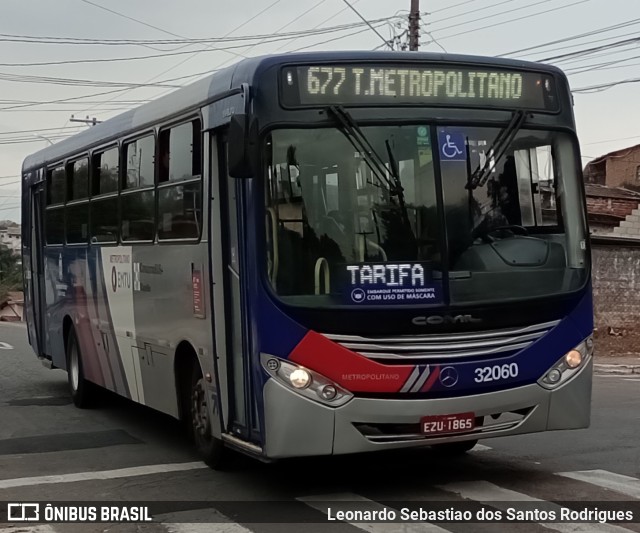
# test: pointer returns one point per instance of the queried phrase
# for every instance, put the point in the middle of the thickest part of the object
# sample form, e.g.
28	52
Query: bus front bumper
296	426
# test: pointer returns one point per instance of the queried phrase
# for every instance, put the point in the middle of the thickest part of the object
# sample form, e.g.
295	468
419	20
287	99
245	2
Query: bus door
229	296
35	276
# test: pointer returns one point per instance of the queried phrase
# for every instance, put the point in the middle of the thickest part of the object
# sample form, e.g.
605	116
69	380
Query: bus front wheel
211	449
83	392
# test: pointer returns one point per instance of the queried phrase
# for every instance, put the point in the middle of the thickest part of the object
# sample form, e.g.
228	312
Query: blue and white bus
323	253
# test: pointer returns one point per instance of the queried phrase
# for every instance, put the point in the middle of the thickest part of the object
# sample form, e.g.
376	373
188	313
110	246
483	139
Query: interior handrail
322	265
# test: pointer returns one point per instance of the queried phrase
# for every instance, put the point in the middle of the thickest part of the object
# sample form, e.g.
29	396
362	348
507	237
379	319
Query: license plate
455	423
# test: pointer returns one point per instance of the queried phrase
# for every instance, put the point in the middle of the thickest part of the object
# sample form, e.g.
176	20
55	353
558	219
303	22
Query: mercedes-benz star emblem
448	376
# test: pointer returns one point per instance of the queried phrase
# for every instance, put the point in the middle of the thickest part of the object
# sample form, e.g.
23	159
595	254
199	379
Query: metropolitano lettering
418	83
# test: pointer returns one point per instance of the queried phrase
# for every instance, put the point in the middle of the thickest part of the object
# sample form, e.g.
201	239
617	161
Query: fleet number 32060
496	372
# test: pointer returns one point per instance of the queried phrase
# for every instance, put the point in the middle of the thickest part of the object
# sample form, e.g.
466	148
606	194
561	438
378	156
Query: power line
449	7
575	37
36	131
319	24
483	8
604	86
145	23
531	15
75	82
194	54
492	16
613	140
366	21
587	51
268	39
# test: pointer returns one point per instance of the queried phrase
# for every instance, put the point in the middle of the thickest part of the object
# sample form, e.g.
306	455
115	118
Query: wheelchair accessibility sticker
452	145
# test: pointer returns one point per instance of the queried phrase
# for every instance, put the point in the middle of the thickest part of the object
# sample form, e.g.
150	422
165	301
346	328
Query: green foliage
10	272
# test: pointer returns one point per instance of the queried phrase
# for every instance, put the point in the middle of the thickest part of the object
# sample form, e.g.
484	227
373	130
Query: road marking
218	527
632	379
28	529
103	474
490	494
5	346
627	485
481	448
343	501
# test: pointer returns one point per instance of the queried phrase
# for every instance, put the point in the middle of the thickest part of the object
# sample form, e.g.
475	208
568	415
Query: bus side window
138	194
180	182
104	203
54	217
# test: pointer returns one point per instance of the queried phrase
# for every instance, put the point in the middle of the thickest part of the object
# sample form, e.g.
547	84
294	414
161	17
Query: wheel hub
199	410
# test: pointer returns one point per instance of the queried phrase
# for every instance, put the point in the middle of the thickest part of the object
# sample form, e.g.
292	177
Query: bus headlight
300	378
568	365
573	359
305	382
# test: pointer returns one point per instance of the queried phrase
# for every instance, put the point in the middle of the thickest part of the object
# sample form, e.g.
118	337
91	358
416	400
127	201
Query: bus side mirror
241	140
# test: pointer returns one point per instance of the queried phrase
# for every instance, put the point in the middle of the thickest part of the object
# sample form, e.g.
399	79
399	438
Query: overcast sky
607	119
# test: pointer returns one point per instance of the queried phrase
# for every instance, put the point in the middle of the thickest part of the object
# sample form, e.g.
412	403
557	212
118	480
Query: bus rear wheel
211	449
83	393
455	448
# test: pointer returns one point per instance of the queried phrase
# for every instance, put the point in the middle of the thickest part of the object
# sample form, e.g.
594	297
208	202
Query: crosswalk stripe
103	474
218	527
28	529
481	448
490	494
627	485
341	502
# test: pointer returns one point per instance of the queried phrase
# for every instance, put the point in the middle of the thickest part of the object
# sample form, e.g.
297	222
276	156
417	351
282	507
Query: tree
10	272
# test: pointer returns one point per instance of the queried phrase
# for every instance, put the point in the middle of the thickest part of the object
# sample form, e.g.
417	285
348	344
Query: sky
67	74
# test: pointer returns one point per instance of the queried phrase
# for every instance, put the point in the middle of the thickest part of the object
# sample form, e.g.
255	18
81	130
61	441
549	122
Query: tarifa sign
392	283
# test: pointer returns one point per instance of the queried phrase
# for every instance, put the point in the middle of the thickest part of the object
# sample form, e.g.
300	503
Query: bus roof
245	71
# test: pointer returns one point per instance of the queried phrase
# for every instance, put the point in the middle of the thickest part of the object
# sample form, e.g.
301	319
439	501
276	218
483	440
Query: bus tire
83	393
211	449
455	448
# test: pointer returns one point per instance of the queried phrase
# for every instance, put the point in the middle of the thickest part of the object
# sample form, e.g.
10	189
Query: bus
323	253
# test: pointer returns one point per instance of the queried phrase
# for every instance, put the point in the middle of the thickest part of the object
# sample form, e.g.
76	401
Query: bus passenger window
105	171
78	179
77	223
56	186
104	219
140	163
138	216
54	225
180	152
180	183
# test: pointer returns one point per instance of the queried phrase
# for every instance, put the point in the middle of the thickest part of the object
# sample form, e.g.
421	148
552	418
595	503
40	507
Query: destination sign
401	84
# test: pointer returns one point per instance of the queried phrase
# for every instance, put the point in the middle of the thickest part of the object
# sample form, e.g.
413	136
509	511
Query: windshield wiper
353	133
496	151
350	129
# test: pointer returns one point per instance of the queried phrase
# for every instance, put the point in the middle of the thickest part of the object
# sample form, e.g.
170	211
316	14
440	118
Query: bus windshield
418	214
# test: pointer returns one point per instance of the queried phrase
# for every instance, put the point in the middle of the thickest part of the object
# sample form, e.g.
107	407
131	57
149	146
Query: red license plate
440	424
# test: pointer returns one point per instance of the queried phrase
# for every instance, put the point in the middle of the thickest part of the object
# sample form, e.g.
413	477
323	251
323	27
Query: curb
622	369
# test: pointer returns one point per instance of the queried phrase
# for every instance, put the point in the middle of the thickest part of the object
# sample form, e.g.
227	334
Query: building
616	169
12	307
11	237
608	209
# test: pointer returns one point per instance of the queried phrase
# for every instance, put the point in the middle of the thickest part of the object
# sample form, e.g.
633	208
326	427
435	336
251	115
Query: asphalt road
124	452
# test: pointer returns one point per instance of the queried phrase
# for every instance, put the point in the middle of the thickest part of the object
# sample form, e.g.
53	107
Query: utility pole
88	121
414	26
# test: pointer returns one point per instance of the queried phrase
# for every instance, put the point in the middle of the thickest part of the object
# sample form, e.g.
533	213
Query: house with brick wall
612	184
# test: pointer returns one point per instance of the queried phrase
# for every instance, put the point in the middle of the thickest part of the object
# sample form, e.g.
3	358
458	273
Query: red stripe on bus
431	380
348	369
